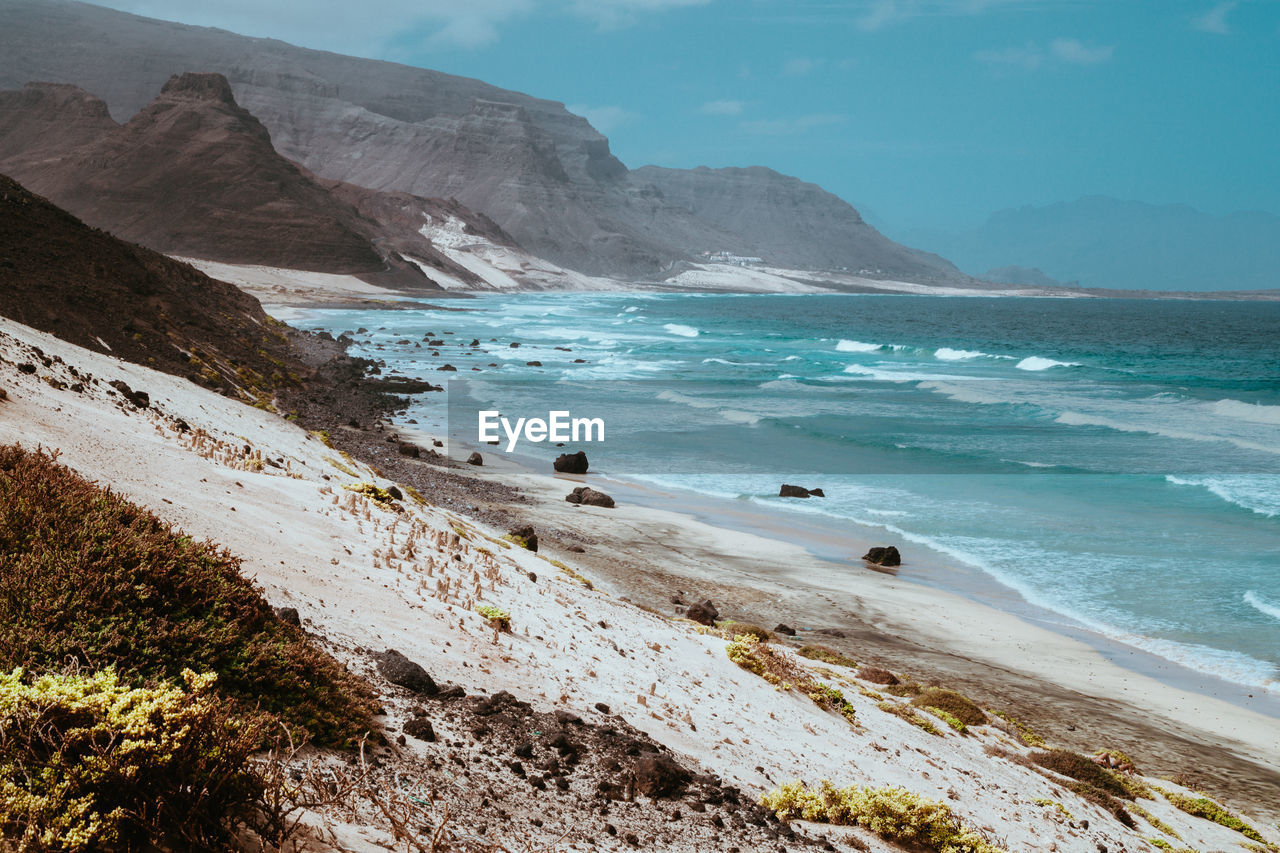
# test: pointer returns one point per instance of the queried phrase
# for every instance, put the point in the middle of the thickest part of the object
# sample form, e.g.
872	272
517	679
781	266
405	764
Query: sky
925	114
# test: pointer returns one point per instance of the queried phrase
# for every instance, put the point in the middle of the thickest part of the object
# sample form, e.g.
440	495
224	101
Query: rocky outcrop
587	496
704	612
399	670
883	556
571	463
789	491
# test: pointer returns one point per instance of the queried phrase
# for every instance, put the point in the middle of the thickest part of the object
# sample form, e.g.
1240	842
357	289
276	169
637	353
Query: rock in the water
447	368
788	491
817	493
571	463
475	459
404	448
784	629
526	537
589	497
886	556
533	364
290	615
421	729
704	612
659	776
398	669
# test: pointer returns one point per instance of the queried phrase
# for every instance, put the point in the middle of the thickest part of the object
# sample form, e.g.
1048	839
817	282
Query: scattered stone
404	448
447	367
576	549
399	670
514	344
395	493
704	612
526	537
567	718
588	496
475	459
140	399
289	615
420	727
659	776
603	708
29	368
886	556
533	364
435	442
571	463
781	628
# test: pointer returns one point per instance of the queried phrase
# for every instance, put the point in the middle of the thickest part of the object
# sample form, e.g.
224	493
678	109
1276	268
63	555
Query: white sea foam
681	330
1258	493
1261	605
949	354
1035	362
1252	412
882	375
856	346
732	415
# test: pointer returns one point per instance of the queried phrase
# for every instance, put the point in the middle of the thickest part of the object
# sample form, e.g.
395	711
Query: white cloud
603	119
613	14
1032	56
722	108
791	126
1078	53
1215	20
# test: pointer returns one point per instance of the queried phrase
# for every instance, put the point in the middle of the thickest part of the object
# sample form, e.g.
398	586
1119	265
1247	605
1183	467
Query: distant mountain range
1098	241
543	175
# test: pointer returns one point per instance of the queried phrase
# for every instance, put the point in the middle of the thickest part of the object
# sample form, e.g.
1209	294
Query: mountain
539	172
60	276
1128	245
194	174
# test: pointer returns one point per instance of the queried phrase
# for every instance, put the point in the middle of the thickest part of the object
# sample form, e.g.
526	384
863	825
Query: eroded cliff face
541	173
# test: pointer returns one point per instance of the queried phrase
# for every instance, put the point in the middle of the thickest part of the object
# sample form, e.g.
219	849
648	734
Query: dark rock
533	364
411	450
817	493
784	629
524	750
576	549
588	496
395	493
475	342
603	708
514	344
502	702
526	537
435	442
447	367
435	343
290	615
567	718
571	463
788	491
139	398
453	691
399	670
704	612
29	368
420	728
886	556
831	632
475	459
659	776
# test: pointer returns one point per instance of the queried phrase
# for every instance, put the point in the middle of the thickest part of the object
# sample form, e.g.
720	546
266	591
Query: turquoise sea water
1115	462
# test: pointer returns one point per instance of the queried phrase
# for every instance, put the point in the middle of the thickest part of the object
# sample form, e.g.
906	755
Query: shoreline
1078	688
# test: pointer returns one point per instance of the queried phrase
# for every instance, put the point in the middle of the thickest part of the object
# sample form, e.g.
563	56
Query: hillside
541	173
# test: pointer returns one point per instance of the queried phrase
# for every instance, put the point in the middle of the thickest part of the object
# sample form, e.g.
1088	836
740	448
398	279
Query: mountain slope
1105	242
541	173
60	276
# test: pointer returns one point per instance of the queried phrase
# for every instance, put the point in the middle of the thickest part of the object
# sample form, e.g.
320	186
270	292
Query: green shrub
826	655
733	629
501	619
1023	732
957	705
1209	810
833	699
1082	769
1047	803
955	722
892	813
88	763
907	713
377	494
87	576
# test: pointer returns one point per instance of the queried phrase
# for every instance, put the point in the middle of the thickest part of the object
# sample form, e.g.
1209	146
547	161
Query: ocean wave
856	346
1035	362
681	330
1252	412
1259	494
1261	605
949	354
1073	418
881	375
735	416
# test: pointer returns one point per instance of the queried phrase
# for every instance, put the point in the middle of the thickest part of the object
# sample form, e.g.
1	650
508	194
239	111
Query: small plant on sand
909	714
894	814
497	617
1089	780
826	655
829	697
415	495
955	704
953	721
340	466
377	494
1206	808
324	437
742	651
1054	804
518	541
730	628
1021	731
757	656
569	572
1155	822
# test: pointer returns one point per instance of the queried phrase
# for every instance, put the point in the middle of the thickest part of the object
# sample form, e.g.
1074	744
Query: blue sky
926	113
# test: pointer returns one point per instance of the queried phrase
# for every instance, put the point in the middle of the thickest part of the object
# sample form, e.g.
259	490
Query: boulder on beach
704	612
789	491
588	496
784	629
525	537
404	448
659	776
883	556
571	463
475	459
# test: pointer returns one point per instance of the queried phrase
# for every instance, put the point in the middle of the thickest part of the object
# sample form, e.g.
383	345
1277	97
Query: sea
1113	464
